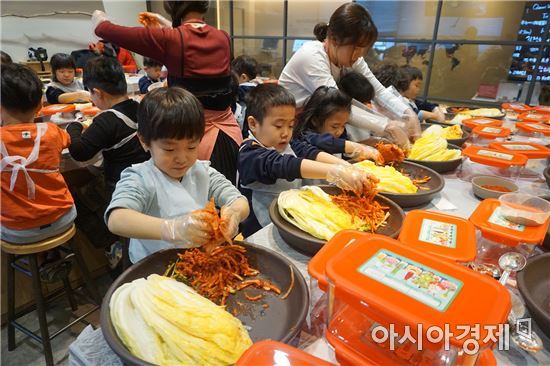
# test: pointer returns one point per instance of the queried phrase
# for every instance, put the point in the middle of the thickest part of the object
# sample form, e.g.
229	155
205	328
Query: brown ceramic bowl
422	196
547	175
457	142
440	166
309	245
281	321
534	285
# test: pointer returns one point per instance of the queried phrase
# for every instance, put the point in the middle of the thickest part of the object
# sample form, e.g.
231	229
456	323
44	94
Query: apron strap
129	122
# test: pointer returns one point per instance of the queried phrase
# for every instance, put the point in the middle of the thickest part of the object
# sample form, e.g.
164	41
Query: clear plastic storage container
483	135
537	156
480	160
533	117
271	353
536	130
390	304
472	123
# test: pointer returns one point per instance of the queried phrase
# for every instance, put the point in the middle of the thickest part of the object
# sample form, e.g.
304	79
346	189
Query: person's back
114	131
36	202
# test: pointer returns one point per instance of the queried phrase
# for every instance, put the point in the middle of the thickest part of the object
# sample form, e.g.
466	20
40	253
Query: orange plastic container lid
271	353
534	127
481	121
56	108
544	109
317	265
529	149
90	111
533	117
493	226
516	107
492	157
446	236
491	132
392	283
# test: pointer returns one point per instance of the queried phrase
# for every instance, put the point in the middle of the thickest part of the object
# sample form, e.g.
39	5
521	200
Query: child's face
173	157
276	128
335	123
65	75
153	72
414	89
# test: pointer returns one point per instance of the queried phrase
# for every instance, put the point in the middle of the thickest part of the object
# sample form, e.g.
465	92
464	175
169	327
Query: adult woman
340	46
198	59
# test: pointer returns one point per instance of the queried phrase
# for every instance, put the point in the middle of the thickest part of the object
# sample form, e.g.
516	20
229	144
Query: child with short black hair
270	161
152	69
356	86
114	131
246	69
323	121
64	87
155	203
36	202
407	80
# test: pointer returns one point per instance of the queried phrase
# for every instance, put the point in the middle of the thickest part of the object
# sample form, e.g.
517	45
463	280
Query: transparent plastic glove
350	178
153	20
439	114
98	17
412	124
396	133
230	218
188	231
362	152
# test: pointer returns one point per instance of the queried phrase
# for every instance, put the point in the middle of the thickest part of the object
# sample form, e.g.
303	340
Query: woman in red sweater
197	57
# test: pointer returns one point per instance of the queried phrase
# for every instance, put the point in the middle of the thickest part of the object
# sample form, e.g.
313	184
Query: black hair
61	61
400	77
321	105
170	113
350	24
179	9
245	65
414	73
356	86
265	96
105	73
149	62
21	88
6	59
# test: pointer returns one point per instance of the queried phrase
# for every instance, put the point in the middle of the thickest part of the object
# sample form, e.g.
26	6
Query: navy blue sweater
326	142
259	164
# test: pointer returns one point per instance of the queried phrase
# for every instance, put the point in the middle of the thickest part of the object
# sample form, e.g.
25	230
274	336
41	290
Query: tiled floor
29	353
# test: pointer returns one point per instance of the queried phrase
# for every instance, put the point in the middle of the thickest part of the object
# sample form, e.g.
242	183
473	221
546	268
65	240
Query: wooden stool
30	251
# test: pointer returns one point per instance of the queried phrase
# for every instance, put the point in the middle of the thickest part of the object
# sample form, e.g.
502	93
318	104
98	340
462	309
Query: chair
15	253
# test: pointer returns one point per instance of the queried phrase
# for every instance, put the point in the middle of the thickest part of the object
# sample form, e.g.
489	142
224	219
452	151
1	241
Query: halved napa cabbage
391	180
453	132
431	147
165	322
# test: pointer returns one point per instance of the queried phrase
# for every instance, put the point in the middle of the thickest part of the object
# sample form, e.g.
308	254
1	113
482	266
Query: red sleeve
149	42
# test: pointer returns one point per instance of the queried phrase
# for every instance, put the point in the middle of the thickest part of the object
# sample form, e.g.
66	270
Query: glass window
413	54
459	71
481	20
268	53
303	15
403	19
258	18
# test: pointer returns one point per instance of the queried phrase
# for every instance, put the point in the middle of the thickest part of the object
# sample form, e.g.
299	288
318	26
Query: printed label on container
438	233
535	116
420	282
491	130
520	147
540	127
495	154
497	219
482	121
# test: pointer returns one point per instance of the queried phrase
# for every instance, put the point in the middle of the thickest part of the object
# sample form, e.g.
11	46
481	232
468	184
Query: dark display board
533	28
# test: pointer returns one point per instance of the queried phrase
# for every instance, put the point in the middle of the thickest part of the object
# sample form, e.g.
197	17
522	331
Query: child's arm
133	224
100	135
323	157
344	176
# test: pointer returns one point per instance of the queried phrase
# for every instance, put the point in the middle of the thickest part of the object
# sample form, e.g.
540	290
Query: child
245	69
152	69
36	203
323	124
64	88
155	202
408	82
356	86
114	131
5	58
270	163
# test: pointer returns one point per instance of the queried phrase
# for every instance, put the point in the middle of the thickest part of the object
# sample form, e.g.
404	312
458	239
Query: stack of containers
391	304
532	117
271	353
513	109
499	236
474	122
533	130
536	154
56	112
484	135
486	161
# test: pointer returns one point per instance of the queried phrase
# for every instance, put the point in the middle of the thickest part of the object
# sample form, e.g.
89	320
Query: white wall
58	33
